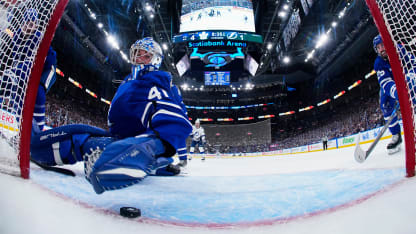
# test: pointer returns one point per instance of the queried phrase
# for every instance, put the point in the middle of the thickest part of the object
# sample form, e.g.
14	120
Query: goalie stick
59	170
359	154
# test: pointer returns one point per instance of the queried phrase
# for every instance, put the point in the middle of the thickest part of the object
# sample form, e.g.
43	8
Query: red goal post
18	97
396	21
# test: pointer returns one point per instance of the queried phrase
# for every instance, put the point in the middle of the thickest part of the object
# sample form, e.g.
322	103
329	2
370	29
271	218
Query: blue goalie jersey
146	104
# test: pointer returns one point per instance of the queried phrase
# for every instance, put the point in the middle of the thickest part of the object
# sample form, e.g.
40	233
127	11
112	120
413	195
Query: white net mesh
400	20
22	28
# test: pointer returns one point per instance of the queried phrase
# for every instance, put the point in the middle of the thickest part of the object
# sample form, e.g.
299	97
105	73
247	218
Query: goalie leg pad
125	162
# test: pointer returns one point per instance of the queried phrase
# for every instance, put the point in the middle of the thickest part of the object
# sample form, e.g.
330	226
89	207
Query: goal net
26	31
396	22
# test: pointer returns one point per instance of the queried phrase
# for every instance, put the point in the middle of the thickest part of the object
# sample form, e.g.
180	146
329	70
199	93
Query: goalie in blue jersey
148	125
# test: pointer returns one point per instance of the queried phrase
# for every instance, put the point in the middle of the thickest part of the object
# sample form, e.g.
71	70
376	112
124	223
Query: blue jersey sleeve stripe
145	113
165	112
42	114
50	76
169	104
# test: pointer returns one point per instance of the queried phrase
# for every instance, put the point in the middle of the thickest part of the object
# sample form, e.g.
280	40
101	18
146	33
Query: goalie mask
146	52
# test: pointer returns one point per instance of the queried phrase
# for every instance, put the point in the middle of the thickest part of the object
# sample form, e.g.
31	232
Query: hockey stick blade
359	154
55	169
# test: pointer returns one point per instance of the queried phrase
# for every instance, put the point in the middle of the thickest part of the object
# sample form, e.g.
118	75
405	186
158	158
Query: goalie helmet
152	56
377	40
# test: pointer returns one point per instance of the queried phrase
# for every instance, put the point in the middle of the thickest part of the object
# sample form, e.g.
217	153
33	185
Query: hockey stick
59	170
359	154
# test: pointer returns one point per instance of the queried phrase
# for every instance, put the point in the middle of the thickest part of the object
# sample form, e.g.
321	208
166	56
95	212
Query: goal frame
399	78
32	89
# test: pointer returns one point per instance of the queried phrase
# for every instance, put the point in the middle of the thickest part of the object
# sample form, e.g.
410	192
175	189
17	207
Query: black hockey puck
130	212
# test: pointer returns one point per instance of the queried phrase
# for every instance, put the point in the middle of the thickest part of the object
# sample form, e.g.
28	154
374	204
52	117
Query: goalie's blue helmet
149	45
377	40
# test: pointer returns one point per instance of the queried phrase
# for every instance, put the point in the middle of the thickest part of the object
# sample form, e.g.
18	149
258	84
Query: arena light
282	14
123	55
286	60
75	82
287	113
113	42
266	116
93	15
100	25
370	74
269	46
339	94
165	46
334	24
245	118
323	102
59	72
248	86
206	120
91	93
341	14
310	54
285	7
148	8
306	108
225	119
105	101
321	41
358	82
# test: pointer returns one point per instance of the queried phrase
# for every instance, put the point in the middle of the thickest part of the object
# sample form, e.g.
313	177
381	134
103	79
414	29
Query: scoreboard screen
234	15
217	78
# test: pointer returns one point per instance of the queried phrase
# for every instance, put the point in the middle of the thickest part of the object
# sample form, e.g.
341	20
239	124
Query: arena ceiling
129	20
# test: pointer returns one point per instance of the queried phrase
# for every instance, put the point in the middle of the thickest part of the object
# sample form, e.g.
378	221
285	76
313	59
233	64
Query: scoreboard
218	35
217	77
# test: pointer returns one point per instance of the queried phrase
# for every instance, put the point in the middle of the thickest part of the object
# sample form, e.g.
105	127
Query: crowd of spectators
354	117
360	115
70	111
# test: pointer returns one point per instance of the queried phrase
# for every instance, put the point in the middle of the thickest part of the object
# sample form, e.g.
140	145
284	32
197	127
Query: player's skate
394	145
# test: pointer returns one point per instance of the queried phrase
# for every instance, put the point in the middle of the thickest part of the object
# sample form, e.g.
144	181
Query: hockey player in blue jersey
15	67
198	139
147	127
388	93
47	80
